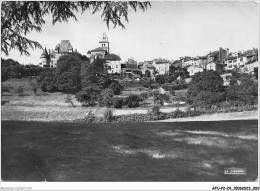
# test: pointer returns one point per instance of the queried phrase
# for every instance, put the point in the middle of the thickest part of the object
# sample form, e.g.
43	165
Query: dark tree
147	74
256	72
18	18
160	79
68	73
205	89
94	73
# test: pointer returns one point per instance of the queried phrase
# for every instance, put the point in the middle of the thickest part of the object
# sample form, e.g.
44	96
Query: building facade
50	58
193	70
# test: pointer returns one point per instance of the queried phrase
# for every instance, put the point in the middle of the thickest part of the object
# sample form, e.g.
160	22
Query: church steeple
104	42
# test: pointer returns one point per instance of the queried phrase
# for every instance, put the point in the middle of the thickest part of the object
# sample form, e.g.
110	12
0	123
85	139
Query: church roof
99	49
112	57
44	53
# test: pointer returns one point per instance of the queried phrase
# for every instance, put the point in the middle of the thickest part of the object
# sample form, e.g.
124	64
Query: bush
68	99
133	101
34	87
89	95
156	110
116	87
144	95
20	90
106	98
118	102
160	79
90	118
108	115
159	98
4	89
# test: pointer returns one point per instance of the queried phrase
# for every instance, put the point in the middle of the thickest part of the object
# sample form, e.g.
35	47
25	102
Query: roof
99	49
213	53
44	53
187	59
248	53
203	57
112	57
162	62
193	66
131	66
64	46
231	58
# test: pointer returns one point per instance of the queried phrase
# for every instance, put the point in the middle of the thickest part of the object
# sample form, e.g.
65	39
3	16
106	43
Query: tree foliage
94	73
18	18
205	89
65	78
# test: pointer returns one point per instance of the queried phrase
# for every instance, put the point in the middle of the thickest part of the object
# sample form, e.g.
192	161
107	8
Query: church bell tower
104	42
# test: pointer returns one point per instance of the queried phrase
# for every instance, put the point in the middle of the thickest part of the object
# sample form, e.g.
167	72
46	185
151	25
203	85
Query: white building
162	67
211	66
193	70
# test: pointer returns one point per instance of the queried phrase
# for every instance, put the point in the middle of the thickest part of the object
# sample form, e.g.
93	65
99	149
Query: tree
256	72
205	89
68	73
94	73
18	18
106	98
160	79
89	95
147	73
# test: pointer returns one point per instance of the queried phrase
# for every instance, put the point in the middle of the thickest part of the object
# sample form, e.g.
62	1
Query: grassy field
50	106
176	152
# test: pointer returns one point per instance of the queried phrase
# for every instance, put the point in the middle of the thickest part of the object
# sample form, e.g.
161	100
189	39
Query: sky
166	30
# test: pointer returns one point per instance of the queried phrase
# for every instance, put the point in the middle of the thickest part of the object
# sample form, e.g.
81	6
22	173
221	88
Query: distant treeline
13	69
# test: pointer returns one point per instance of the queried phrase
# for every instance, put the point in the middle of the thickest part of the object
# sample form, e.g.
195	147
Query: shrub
106	98
4	89
160	79
118	102
159	98
90	117
20	90
89	95
116	87
144	95
68	99
133	101
172	92
108	115
156	110
34	87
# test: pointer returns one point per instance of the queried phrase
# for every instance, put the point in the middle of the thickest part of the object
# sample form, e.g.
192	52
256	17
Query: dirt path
246	115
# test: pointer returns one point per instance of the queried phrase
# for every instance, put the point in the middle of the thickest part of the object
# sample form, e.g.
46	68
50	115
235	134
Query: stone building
103	52
50	58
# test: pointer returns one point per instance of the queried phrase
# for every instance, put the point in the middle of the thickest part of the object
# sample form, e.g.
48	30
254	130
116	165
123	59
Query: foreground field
188	151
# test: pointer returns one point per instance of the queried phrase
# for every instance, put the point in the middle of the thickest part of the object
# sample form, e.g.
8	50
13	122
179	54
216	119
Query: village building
193	70
103	52
245	62
50	58
162	67
149	66
130	68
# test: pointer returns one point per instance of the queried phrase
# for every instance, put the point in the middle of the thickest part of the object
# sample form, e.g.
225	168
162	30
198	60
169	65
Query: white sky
166	30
